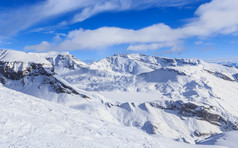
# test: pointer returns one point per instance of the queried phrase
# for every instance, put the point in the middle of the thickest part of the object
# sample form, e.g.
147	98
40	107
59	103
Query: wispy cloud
18	19
204	43
62	25
121	5
213	18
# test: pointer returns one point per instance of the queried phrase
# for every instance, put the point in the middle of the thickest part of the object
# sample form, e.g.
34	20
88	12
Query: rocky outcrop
149	127
201	112
18	70
21	71
220	75
152	117
60	87
3	80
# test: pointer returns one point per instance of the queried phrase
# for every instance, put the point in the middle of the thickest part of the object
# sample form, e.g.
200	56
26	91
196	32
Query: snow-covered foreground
26	121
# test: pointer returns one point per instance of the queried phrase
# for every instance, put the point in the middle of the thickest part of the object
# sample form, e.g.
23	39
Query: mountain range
130	100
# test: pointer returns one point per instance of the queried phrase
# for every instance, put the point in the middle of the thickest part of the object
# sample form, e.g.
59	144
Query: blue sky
93	29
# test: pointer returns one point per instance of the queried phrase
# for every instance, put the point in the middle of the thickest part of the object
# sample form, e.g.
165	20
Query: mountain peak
19	56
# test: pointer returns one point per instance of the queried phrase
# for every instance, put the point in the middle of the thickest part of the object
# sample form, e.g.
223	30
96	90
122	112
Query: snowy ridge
62	61
18	56
139	63
16	64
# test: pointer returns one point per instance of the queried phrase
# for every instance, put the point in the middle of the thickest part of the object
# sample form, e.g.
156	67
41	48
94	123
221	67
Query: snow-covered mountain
229	62
184	99
62	61
34	75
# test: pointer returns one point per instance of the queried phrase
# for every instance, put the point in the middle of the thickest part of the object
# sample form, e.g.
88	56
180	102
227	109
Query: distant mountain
185	91
229	62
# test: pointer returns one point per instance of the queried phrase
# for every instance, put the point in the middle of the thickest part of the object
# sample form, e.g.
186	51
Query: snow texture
26	121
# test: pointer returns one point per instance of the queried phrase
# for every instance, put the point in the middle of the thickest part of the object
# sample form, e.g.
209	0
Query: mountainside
225	139
30	122
200	96
34	75
184	99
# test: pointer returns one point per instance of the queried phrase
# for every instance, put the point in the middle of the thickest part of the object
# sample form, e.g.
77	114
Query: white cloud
155	36
216	17
97	8
43	46
175	47
143	47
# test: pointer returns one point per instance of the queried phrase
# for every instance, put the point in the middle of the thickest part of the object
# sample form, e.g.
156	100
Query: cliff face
18	70
15	65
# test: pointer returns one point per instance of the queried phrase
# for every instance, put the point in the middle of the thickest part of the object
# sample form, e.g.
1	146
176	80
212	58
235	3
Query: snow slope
228	139
26	121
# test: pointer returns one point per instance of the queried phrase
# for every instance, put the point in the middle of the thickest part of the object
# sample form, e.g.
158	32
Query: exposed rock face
220	75
235	76
149	127
18	70
3	80
201	112
21	70
60	87
147	116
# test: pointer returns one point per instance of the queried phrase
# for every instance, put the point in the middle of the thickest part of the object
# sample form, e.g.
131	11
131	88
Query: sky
93	29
